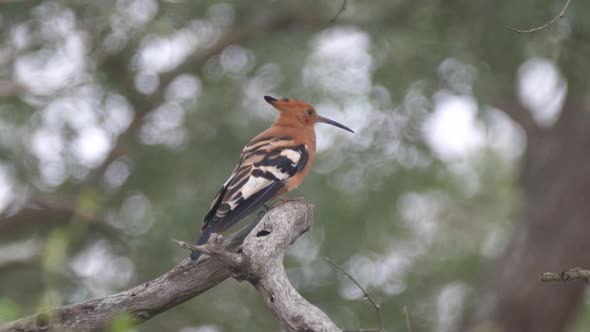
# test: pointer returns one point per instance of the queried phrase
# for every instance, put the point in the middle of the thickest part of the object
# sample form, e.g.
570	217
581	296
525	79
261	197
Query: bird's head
295	111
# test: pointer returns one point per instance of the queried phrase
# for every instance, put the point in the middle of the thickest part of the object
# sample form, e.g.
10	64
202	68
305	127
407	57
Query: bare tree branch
140	303
561	14
573	274
260	263
365	295
214	248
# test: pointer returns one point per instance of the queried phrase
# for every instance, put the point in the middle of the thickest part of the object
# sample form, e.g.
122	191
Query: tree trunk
552	233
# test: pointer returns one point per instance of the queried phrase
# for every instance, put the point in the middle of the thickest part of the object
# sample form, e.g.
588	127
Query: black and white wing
265	164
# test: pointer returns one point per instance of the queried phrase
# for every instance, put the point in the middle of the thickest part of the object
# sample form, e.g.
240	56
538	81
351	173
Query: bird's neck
302	133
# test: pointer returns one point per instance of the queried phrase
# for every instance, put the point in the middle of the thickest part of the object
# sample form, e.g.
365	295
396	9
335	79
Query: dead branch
214	248
561	14
573	274
182	283
260	262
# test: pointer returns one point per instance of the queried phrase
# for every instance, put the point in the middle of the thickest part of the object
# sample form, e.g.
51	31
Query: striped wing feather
265	164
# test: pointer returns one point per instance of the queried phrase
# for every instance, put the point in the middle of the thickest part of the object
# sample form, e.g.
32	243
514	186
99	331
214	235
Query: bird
272	163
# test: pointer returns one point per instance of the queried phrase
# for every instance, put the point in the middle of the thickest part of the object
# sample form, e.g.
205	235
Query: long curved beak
333	123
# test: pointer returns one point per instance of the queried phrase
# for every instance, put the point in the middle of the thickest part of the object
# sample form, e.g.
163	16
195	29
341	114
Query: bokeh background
468	175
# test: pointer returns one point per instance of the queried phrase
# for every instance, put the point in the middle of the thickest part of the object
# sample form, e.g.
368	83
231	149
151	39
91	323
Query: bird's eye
309	112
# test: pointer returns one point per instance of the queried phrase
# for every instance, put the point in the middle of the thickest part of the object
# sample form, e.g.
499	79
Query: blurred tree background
468	174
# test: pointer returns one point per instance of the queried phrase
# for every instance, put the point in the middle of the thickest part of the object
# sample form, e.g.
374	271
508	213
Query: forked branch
260	262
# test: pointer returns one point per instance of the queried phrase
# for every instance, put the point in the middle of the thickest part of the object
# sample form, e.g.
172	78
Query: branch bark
260	262
266	240
140	303
263	251
573	274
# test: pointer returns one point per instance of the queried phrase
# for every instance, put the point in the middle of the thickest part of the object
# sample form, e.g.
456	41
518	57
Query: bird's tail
205	234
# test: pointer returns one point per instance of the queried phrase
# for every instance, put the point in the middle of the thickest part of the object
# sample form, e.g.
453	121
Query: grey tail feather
206	233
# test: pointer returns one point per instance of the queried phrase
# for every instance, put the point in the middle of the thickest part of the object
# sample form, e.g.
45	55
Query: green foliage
9	310
415	226
54	259
122	323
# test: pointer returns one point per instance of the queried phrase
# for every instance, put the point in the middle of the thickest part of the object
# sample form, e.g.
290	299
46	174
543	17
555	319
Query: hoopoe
273	163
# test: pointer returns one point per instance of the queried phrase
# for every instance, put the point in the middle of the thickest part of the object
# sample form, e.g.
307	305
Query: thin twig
200	249
340	11
365	294
214	248
573	274
561	14
406	315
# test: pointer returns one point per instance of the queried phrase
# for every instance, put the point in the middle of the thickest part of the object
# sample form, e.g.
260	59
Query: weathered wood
263	251
261	263
140	303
